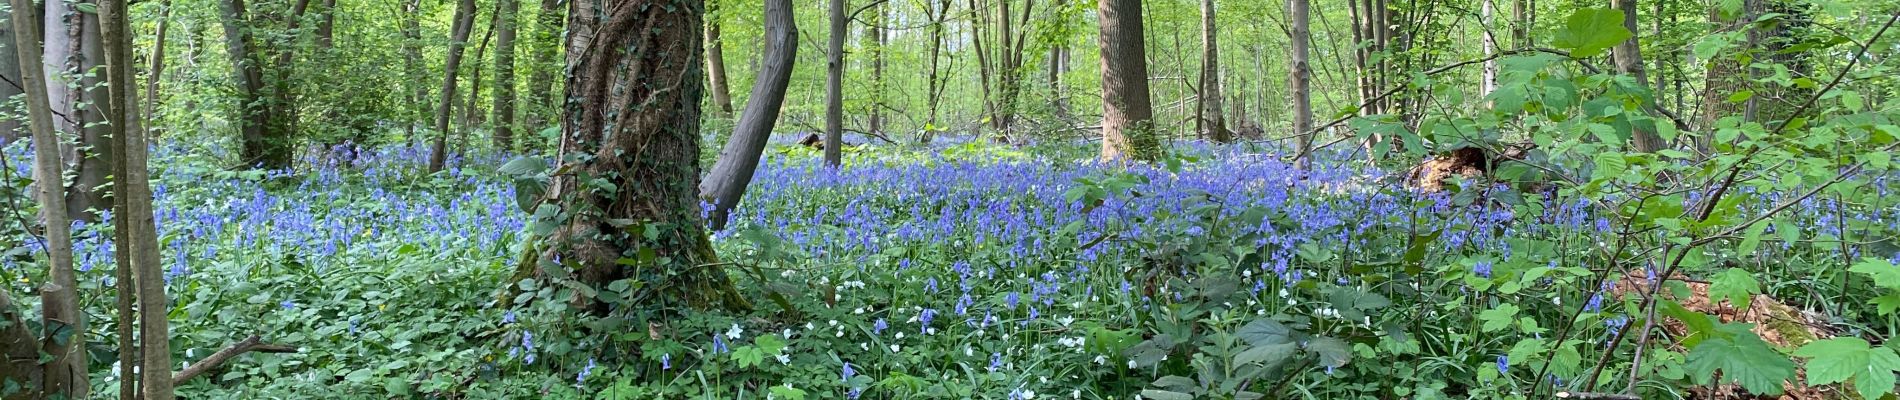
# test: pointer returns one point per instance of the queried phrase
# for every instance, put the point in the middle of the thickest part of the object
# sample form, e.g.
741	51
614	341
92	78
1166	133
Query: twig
247	345
1595	396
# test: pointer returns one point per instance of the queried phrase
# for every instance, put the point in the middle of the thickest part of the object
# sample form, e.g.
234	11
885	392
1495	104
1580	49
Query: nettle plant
1722	207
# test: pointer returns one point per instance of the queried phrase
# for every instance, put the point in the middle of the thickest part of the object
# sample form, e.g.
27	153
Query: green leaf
1751	239
360	376
1742	358
1735	285
1884	273
1836	360
787	392
1264	331
1498	318
1609	165
1587	32
1887	303
1165	395
524	166
1332	352
1851	100
1269	354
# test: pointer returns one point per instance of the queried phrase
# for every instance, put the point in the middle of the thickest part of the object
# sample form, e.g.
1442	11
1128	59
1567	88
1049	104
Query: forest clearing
990	199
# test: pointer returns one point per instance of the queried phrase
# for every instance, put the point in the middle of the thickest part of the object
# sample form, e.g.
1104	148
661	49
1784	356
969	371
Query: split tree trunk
464	23
263	142
64	372
134	214
632	119
726	184
158	66
1128	131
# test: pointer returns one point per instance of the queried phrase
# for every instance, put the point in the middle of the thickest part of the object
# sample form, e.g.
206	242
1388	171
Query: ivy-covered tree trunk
630	137
92	155
1128	130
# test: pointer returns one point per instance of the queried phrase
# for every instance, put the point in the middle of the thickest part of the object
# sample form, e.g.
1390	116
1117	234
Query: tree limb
247	345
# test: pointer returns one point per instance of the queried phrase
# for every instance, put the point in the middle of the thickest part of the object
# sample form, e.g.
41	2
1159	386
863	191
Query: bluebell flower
1504	364
848	371
879	326
666	361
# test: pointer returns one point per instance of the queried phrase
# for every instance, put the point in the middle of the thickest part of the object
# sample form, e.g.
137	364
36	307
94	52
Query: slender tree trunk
546	61
260	146
716	61
834	88
1210	98
1629	61
134	213
158	66
632	119
326	26
985	72
63	372
1058	64
1489	82
464	21
725	184
1301	75
1726	76
10	71
504	102
1521	23
1128	131
60	65
412	66
934	83
472	115
874	41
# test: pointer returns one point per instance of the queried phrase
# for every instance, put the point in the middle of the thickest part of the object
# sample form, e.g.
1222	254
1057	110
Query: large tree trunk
546	60
725	185
1210	97
874	43
834	88
60	65
63	372
1128	130
134	207
1629	61
1302	74
504	102
632	119
464	23
260	141
716	61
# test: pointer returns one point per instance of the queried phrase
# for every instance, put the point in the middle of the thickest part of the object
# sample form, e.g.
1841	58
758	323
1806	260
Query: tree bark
10	71
64	372
1210	97
1489	81
158	66
464	21
1725	76
1128	114
1302	74
934	82
504	103
93	157
546	61
716	61
874	42
326	26
834	88
1628	57
726	184
262	143
412	66
135	212
472	115
632	120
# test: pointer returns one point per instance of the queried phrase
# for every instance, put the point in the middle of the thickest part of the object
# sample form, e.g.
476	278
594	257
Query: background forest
999	199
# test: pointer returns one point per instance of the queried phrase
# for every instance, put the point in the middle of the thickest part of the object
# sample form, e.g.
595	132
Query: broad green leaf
1264	331
1498	318
1839	359
1887	303
1589	31
1751	239
1884	273
1269	354
1332	352
1609	166
1735	285
1165	395
1744	359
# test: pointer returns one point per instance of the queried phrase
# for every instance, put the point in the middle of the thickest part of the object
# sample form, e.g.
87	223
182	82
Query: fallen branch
1595	396
247	345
